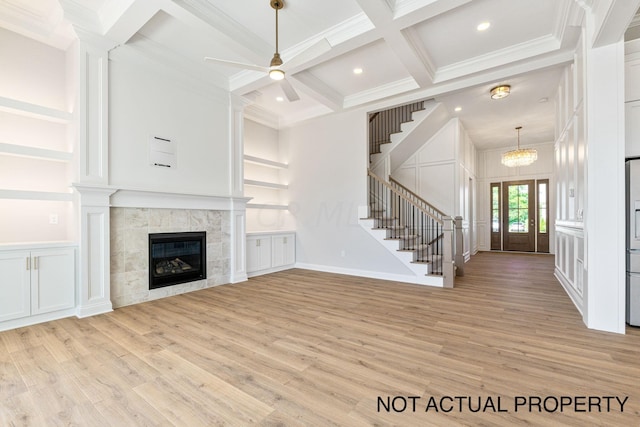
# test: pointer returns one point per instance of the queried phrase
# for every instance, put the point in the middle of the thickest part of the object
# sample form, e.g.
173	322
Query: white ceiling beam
320	91
203	15
381	15
612	18
121	19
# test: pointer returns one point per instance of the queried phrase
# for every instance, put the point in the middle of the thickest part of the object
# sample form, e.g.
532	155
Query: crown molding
498	58
81	16
384	91
45	26
258	114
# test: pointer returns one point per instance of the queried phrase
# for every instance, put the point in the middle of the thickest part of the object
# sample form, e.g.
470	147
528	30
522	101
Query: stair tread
402	237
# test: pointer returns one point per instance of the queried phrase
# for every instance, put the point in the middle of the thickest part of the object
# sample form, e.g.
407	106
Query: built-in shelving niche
36	169
264	183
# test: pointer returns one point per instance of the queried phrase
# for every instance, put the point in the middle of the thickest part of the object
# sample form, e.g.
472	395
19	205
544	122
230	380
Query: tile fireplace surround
130	228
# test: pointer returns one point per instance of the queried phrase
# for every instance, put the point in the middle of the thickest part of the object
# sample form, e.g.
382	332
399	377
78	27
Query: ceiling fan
275	70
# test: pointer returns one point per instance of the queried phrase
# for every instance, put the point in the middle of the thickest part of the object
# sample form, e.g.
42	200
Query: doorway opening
520	215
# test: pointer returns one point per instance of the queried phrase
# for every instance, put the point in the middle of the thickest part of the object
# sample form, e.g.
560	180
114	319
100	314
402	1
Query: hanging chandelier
520	156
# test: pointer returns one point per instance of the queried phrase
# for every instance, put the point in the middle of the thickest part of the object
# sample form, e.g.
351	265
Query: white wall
32	71
442	172
431	172
328	169
144	102
491	170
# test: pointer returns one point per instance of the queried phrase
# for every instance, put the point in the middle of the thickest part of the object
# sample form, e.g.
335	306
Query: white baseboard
39	318
575	297
92	310
269	270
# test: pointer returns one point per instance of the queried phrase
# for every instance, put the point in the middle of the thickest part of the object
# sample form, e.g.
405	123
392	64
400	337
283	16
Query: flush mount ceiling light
500	92
520	156
483	26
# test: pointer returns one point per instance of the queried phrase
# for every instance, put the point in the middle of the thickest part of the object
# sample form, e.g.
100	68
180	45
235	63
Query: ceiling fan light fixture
276	74
500	92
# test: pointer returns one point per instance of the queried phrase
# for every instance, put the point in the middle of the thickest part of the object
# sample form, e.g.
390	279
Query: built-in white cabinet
258	253
632	98
36	282
632	129
270	252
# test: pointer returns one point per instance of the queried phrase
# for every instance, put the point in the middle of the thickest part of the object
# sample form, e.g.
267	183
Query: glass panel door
519	216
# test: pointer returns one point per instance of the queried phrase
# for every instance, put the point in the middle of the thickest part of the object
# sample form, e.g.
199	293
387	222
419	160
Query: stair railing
384	123
425	231
417	199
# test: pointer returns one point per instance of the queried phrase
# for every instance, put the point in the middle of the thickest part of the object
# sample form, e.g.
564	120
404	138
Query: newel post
448	265
459	247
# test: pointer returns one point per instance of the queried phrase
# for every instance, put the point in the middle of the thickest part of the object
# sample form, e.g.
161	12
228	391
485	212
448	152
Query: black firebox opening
177	258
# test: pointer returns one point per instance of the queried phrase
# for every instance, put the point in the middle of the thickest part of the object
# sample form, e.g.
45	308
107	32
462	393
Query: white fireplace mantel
134	198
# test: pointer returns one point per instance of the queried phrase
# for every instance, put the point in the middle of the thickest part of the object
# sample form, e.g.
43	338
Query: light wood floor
315	349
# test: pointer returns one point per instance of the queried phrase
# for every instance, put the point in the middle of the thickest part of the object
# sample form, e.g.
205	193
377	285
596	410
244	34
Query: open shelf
35	152
33	110
35	195
264	184
264	162
266	206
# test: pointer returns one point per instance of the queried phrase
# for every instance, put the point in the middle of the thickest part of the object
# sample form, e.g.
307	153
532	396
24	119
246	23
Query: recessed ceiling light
279	99
483	26
357	70
457	109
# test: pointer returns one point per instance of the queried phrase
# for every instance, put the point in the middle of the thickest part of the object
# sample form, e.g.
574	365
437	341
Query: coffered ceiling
407	50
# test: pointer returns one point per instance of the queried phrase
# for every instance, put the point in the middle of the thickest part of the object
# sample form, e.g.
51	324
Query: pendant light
520	156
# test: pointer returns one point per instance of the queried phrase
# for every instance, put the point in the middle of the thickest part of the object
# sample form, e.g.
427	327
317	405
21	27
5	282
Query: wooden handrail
373	116
405	198
420	199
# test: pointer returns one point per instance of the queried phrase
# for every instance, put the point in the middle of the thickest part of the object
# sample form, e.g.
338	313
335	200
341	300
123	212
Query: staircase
413	230
389	150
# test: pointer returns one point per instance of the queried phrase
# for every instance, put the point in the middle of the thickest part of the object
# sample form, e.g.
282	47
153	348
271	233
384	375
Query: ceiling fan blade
237	64
289	91
308	54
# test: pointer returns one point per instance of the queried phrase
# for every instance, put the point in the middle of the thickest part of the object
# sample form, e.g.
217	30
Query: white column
92	177
238	211
238	240
92	107
604	307
94	289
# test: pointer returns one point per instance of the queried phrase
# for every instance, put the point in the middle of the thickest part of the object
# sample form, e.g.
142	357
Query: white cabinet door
258	253
632	80
632	129
14	285
52	280
284	250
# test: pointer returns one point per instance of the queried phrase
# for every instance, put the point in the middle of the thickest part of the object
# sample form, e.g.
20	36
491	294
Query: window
495	208
518	208
543	209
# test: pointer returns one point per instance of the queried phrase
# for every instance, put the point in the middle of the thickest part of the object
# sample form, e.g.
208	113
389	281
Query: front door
518	223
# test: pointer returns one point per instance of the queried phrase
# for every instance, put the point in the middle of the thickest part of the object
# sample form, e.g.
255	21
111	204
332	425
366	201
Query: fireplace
177	258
